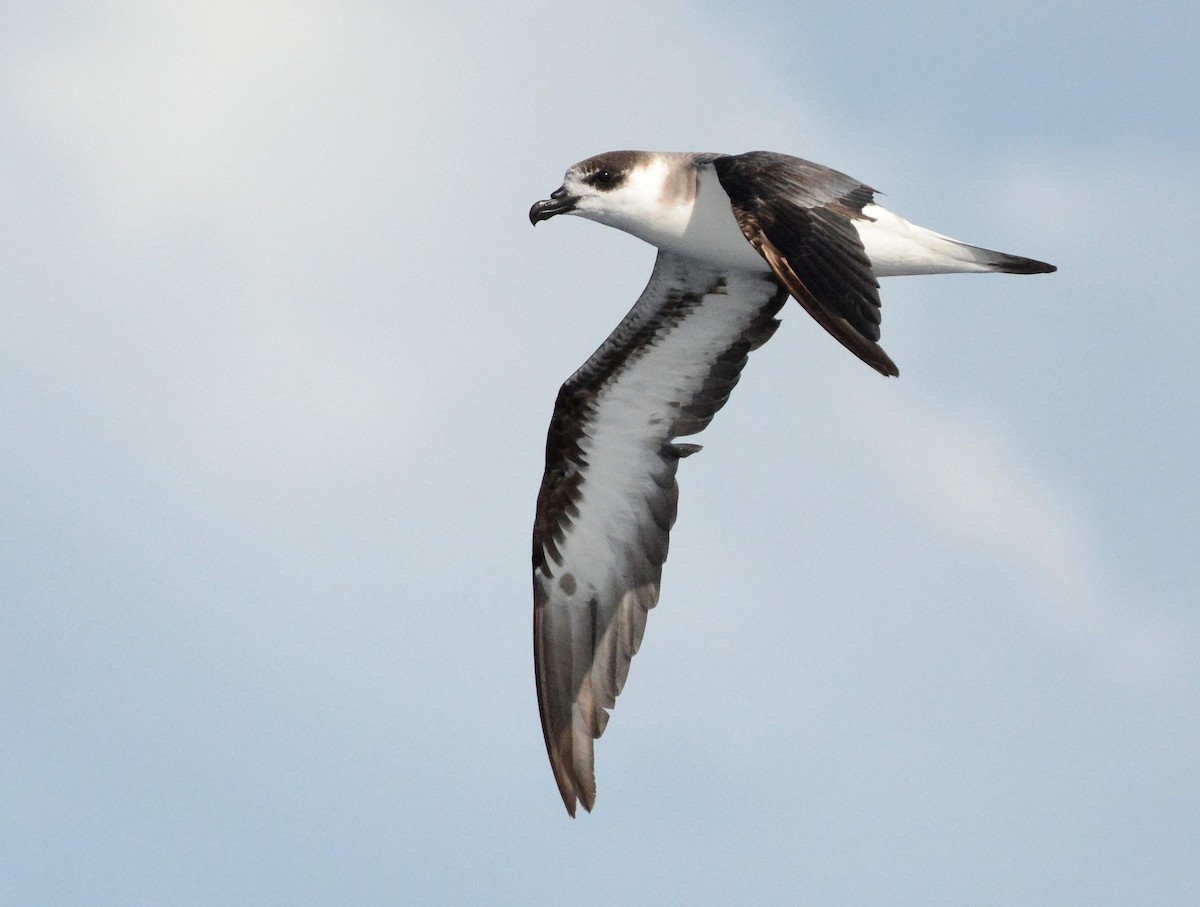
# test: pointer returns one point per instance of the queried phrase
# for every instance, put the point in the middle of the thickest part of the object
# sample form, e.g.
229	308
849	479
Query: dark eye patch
603	178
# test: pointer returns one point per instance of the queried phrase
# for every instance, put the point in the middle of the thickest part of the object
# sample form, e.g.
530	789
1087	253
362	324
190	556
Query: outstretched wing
608	496
800	216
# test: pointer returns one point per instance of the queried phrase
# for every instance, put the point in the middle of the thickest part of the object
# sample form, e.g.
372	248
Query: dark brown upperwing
799	216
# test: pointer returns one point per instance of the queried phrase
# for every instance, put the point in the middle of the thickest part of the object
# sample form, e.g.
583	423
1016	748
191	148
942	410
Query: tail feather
896	246
1015	264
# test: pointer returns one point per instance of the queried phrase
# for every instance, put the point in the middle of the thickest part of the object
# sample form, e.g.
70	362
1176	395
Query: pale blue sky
279	349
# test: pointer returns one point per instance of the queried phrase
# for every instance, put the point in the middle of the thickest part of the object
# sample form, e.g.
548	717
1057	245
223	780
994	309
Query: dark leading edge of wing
608	496
799	216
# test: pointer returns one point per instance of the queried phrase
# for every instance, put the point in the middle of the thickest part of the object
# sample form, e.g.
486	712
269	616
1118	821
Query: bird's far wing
799	216
608	496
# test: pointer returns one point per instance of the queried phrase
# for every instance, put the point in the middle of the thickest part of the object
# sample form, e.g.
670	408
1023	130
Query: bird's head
636	191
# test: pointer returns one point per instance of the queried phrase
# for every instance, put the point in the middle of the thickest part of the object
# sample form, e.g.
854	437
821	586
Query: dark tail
1015	264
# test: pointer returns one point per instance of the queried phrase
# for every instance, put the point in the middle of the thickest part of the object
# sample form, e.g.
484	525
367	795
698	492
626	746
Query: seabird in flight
736	235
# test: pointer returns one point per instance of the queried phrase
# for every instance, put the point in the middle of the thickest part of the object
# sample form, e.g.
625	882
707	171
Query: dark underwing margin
799	216
586	630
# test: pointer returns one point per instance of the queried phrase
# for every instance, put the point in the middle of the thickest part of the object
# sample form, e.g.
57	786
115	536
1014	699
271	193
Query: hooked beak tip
559	202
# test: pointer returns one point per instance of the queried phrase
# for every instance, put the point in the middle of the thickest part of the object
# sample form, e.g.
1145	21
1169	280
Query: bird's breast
710	232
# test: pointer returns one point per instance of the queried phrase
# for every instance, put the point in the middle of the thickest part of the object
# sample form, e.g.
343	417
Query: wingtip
873	355
572	801
571	788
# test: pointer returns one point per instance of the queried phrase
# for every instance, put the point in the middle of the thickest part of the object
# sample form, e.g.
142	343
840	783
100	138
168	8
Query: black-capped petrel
736	235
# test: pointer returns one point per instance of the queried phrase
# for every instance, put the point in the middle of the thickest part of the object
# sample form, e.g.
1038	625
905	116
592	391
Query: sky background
278	350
